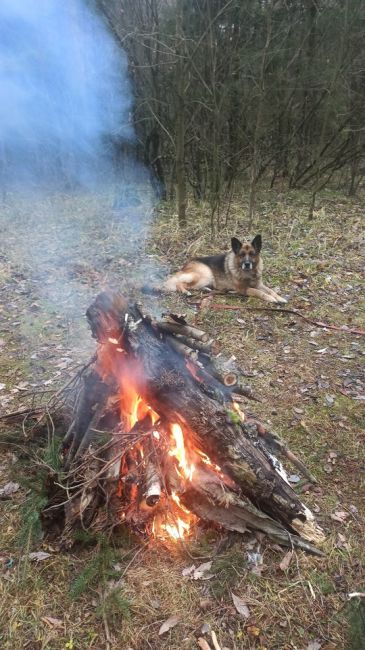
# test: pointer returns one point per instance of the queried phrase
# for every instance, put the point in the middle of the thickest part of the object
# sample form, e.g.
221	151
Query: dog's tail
175	282
180	281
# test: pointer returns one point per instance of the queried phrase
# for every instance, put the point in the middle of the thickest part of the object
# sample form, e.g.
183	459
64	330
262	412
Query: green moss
356	619
228	570
323	582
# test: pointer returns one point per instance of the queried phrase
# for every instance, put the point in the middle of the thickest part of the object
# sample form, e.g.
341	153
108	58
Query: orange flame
174	520
179	451
178	530
176	523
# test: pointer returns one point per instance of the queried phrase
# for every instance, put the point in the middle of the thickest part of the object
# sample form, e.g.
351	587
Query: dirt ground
56	253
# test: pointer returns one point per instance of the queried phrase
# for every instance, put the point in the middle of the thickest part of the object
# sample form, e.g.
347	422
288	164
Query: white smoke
64	93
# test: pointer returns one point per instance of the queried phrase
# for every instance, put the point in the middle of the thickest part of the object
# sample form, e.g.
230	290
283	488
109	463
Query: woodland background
229	94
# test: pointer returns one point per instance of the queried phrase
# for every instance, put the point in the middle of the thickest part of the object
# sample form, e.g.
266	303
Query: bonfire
159	438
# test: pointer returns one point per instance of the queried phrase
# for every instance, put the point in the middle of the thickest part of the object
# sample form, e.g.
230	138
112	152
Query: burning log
176	446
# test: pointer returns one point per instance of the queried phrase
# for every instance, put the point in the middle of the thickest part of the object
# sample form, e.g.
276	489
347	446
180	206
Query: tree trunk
180	119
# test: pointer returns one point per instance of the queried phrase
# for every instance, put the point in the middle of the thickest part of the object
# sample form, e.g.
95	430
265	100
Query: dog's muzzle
247	266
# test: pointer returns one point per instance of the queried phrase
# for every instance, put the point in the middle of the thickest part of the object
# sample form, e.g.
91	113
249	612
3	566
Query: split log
210	500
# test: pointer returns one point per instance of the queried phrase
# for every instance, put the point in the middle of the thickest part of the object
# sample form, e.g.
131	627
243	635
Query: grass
309	380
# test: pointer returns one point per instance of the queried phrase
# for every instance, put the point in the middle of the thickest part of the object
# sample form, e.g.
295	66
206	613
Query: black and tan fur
238	270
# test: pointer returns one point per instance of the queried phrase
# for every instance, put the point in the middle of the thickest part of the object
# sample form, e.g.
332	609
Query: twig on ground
295	312
203	644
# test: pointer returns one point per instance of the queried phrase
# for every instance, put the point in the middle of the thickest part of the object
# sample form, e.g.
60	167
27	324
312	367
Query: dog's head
248	253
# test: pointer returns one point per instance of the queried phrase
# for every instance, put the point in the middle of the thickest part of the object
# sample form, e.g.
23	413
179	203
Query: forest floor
56	253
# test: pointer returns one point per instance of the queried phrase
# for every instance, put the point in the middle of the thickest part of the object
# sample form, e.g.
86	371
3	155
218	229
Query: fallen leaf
339	516
255	563
284	564
314	645
293	478
39	556
206	603
52	622
169	624
240	606
155	603
188	570
201	572
8	490
205	628
254	631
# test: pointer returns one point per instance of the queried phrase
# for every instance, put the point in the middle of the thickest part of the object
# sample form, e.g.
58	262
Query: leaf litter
241	606
169	624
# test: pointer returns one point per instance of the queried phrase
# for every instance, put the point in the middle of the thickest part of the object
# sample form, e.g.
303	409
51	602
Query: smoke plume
65	93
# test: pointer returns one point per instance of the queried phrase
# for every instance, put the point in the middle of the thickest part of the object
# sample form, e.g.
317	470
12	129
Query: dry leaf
240	606
255	563
339	516
206	603
169	624
284	564
188	570
8	490
52	622
205	628
201	573
254	631
39	556
314	645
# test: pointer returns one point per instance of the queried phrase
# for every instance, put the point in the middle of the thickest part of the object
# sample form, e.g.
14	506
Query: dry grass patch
310	380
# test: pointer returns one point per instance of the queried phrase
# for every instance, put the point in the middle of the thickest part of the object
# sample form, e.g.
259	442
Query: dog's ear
257	243
236	245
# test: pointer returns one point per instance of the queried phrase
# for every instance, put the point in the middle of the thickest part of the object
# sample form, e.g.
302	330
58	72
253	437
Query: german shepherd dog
238	270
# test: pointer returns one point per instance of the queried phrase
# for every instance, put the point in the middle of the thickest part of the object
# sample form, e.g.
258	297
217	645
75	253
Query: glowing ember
193	368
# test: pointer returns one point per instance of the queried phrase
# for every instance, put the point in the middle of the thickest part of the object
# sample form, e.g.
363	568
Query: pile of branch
116	474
